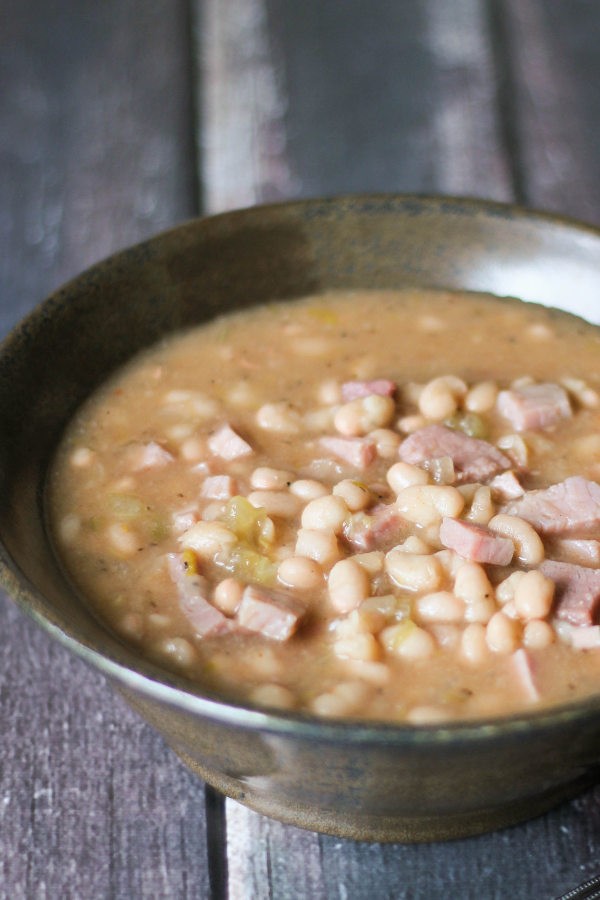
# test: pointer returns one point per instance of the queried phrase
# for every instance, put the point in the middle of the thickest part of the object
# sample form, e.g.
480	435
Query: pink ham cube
227	444
475	542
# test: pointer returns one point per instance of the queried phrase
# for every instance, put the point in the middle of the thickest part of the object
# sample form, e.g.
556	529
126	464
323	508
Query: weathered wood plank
553	66
307	99
96	152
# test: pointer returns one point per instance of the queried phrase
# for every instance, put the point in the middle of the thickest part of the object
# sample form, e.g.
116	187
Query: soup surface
367	504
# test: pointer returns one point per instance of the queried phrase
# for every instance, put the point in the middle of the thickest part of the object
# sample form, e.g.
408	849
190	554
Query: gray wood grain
96	151
554	72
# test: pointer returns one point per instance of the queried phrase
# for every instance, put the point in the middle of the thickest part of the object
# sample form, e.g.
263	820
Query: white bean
356	495
415	544
330	392
322	546
410	424
480	610
502	634
528	544
69	528
516	448
273	695
227	595
441	396
348	585
360	416
429	503
362	647
178	651
440	606
473	645
414	572
208	539
276	503
329	513
308	489
505	591
280	417
343	700
408	641
82	457
472	584
538	634
265	478
482	507
122	540
300	572
534	595
402	475
426	715
371	562
387	442
131	626
481	397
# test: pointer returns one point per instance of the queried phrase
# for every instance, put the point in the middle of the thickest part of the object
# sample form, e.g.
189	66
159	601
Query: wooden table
121	118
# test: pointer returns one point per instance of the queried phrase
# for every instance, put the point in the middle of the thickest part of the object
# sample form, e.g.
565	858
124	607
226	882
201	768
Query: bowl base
401	829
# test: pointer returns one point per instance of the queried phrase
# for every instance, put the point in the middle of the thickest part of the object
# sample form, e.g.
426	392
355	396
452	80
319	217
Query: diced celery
324	315
248	565
469	423
93	524
249	523
402	631
159	530
125	506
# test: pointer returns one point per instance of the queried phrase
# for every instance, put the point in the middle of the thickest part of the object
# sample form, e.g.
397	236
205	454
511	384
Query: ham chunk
218	487
506	486
585	637
475	542
577	591
570	507
578	550
354	390
270	613
192	588
474	459
524	667
374	531
227	444
534	406
358	452
183	519
149	456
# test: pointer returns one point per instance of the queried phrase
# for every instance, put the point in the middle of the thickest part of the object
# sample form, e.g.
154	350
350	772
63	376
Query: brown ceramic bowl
361	780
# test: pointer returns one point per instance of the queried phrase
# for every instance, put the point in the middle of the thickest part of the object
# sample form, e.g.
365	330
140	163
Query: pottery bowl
362	780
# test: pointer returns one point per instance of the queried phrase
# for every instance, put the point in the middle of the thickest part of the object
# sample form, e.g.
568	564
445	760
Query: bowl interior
69	344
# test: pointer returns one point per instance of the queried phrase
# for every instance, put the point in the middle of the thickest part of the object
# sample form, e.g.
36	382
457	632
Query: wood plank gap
216	843
506	96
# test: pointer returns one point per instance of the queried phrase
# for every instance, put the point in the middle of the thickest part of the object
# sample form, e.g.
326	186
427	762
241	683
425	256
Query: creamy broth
340	505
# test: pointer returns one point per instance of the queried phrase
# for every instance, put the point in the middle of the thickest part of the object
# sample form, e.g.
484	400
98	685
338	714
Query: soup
378	504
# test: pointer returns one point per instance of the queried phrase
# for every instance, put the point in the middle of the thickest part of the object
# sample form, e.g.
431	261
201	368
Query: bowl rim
155	682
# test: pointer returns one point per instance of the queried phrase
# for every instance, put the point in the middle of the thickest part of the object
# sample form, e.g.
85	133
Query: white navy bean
265	478
300	572
348	585
328	513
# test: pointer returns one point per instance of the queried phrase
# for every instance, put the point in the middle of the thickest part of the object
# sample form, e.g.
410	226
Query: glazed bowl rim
153	681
